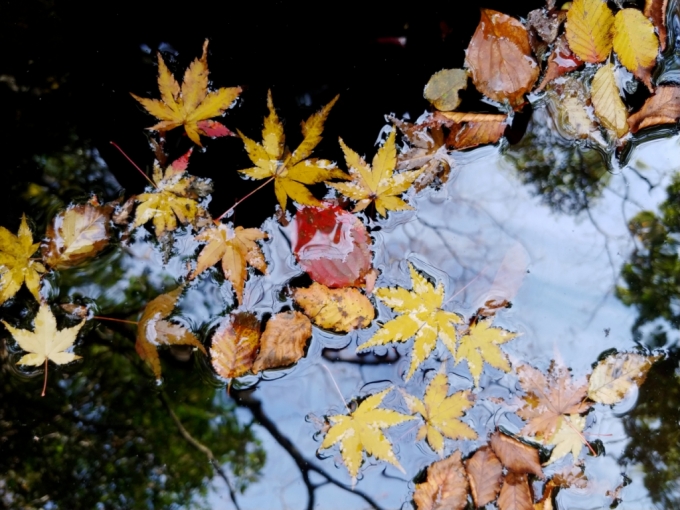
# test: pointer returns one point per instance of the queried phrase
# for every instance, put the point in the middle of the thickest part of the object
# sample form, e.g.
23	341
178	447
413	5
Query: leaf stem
134	164
114	320
45	383
336	387
217	221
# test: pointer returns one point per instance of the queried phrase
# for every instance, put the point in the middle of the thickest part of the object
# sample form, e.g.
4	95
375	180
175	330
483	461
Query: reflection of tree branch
199	446
336	356
245	399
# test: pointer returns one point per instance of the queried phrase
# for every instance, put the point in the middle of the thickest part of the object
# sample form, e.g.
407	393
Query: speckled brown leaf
546	23
662	108
446	486
656	11
340	310
235	344
484	472
515	493
516	456
499	58
283	341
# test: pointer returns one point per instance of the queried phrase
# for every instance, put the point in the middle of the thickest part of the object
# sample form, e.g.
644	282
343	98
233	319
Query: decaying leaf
75	235
469	130
16	266
191	103
515	455
340	310
153	330
421	316
515	493
656	11
446	486
236	248
589	29
291	172
607	102
561	61
568	103
635	43
484	472
662	108
546	23
379	184
615	375
441	413
499	58
234	344
480	344
283	341
362	430
568	438
443	87
548	398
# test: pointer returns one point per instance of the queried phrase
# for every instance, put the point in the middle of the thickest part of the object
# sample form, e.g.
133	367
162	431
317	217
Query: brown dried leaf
560	61
446	486
515	493
484	472
443	87
546	23
283	341
656	11
235	344
499	57
662	108
516	456
472	129
340	310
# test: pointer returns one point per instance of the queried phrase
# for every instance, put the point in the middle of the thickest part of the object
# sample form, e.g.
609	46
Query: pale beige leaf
617	374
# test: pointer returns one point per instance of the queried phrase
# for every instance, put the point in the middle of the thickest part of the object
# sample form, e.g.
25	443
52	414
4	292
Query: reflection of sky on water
460	235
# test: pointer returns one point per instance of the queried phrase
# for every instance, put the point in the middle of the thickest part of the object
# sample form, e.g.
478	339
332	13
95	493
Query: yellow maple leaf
421	316
291	172
16	266
635	43
441	413
607	101
568	438
236	248
378	184
191	103
362	430
589	27
480	344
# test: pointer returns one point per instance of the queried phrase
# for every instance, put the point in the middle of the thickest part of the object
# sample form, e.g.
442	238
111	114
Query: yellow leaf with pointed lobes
568	438
16	266
481	345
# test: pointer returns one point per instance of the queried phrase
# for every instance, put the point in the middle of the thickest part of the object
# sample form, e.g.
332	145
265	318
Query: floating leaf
283	341
340	310
379	184
441	413
515	493
516	456
443	87
484	472
607	102
76	234
589	27
153	330
362	430
422	317
445	488
480	344
234	345
656	11
499	58
615	375
635	43
568	438
561	61
16	266
474	129
662	108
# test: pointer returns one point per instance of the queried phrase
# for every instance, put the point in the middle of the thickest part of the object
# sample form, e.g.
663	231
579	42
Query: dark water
107	436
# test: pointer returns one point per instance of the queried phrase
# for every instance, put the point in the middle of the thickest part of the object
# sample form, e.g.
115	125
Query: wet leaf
561	61
421	316
516	456
548	398
379	184
362	430
607	102
615	375
662	108
443	87
515	493
16	266
589	29
568	438
332	246
76	234
468	130
499	58
236	249
656	11
480	344
441	413
291	172
635	43
283	341
191	103
484	472
546	23
445	488
234	344
339	310
153	330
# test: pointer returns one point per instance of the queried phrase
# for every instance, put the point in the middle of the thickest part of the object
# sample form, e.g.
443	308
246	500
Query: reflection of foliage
652	276
654	435
565	173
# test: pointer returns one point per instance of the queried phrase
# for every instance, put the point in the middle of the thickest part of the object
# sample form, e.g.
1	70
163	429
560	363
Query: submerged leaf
340	310
445	488
16	266
607	102
635	43
617	374
484	471
443	88
283	341
234	345
589	27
